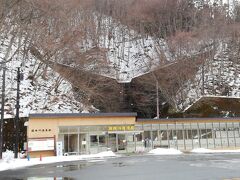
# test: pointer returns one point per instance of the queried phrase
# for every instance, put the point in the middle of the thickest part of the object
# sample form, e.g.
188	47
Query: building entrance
75	143
117	142
112	143
122	142
82	143
95	139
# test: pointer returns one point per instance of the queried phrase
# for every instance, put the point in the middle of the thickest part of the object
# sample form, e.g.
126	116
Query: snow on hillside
131	54
128	54
41	91
230	3
217	77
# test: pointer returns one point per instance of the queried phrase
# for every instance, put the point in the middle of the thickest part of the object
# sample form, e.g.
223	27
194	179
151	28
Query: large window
66	143
93	140
96	140
102	140
155	135
139	136
73	143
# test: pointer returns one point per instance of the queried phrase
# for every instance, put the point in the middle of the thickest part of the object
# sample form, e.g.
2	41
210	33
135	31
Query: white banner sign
41	144
59	148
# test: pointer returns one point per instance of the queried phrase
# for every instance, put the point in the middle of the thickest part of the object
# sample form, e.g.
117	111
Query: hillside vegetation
112	54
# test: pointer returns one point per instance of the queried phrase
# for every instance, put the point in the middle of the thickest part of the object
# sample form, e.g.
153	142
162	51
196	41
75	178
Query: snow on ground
164	151
203	150
8	162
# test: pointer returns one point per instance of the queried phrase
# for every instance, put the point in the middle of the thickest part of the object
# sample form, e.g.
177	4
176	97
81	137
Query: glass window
163	135
155	135
72	130
138	127
73	143
63	130
179	134
102	141
155	126
93	140
65	143
147	134
147	127
139	137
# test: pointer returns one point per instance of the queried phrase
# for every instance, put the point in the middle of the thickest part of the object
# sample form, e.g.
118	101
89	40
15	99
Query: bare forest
128	55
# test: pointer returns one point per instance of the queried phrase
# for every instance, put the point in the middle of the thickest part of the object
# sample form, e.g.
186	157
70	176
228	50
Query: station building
83	133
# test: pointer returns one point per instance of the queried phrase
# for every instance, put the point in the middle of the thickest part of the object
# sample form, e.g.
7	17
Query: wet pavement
180	167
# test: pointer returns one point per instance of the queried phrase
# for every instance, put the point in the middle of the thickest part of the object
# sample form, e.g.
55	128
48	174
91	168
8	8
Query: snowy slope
41	91
125	53
128	55
217	77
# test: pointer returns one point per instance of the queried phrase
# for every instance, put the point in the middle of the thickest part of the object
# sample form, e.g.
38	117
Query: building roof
189	119
43	115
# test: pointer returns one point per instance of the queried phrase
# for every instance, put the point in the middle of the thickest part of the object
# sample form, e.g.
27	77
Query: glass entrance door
122	143
112	142
82	144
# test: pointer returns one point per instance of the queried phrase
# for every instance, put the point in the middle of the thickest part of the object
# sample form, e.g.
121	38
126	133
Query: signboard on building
59	148
121	128
41	144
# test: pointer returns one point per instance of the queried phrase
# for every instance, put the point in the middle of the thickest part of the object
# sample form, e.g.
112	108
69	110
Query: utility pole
157	99
2	109
16	123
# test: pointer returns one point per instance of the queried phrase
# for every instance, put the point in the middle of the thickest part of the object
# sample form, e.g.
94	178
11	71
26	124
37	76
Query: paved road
180	167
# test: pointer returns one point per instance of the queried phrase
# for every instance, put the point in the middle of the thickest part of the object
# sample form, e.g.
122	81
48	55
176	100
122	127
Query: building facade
124	132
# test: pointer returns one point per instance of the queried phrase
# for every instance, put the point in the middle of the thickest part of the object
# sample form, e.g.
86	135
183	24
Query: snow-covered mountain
127	54
109	48
120	52
216	77
41	91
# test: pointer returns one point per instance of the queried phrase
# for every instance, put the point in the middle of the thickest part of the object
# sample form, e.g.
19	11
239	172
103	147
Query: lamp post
2	109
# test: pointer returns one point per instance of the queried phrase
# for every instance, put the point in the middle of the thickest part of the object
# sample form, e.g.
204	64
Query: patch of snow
7	156
9	163
164	151
106	154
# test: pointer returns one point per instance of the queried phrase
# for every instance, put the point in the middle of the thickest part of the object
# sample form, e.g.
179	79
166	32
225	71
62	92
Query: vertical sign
59	148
